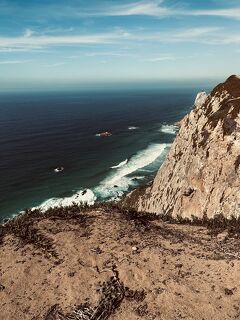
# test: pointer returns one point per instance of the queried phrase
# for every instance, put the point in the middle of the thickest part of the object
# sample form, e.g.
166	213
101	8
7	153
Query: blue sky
53	42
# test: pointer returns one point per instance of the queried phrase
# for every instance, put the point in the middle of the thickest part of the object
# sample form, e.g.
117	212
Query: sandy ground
172	271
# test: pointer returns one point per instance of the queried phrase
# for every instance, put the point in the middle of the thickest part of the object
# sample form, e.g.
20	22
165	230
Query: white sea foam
80	197
138	178
169	128
118	182
114	185
121	164
132	128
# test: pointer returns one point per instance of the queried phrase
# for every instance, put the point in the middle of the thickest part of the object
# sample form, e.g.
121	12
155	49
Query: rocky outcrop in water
201	175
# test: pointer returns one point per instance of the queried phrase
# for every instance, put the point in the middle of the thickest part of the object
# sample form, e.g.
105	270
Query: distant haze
55	44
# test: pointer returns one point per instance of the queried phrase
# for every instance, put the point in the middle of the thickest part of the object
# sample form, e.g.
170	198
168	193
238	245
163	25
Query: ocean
42	131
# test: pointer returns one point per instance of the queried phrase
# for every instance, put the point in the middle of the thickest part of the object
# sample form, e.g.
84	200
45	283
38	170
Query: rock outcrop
200	99
201	175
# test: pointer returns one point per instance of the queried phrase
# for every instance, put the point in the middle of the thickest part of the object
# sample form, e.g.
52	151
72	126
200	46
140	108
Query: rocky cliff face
201	175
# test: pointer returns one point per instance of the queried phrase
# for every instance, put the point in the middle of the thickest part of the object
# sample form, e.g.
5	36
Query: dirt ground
100	264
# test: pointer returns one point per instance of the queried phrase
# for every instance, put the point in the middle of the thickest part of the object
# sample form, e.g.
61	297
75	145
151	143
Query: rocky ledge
201	175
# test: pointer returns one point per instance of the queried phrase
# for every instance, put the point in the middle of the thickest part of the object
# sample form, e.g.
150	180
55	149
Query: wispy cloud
110	54
227	13
59	30
13	61
28	33
195	32
13	49
57	64
151	8
157	8
160	59
147	8
198	35
9	50
203	35
39	41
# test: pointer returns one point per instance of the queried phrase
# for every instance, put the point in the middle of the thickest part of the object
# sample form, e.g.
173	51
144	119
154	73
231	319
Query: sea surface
41	131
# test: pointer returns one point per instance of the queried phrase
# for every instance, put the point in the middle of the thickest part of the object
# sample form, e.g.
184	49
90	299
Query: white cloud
110	54
206	35
231	39
21	49
160	59
199	35
58	30
227	13
13	61
158	9
148	8
153	8
195	32
11	50
57	64
28	33
30	41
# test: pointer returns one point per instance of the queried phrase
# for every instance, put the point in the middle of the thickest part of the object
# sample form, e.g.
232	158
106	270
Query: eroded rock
201	175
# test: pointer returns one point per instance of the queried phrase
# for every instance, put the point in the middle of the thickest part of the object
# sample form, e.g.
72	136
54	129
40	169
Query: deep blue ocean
41	131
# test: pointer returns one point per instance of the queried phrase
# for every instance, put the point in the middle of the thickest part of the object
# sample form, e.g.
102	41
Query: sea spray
114	185
80	197
169	128
121	164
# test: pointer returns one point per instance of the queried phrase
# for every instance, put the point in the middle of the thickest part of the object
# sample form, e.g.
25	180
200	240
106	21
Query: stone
201	174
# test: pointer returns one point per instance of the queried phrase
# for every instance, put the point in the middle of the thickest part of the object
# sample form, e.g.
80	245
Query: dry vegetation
106	262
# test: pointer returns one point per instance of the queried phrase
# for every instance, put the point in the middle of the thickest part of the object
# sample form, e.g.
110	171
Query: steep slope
102	263
201	175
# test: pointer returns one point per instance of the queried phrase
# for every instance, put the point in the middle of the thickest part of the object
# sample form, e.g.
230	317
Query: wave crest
121	164
80	197
116	184
169	128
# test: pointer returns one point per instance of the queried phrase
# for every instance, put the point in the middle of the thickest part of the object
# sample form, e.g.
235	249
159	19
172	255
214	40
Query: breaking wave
132	128
169	128
80	197
121	164
114	185
117	182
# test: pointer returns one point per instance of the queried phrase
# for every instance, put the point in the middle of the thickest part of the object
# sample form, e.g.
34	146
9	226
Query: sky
54	42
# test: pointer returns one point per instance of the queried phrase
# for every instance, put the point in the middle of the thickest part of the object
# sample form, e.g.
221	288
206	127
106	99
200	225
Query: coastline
87	159
121	179
106	191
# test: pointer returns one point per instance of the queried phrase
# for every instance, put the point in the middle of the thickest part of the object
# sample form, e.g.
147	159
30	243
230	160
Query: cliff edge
201	175
104	263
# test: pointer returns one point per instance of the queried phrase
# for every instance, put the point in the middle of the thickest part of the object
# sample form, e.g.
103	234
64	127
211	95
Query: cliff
201	175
